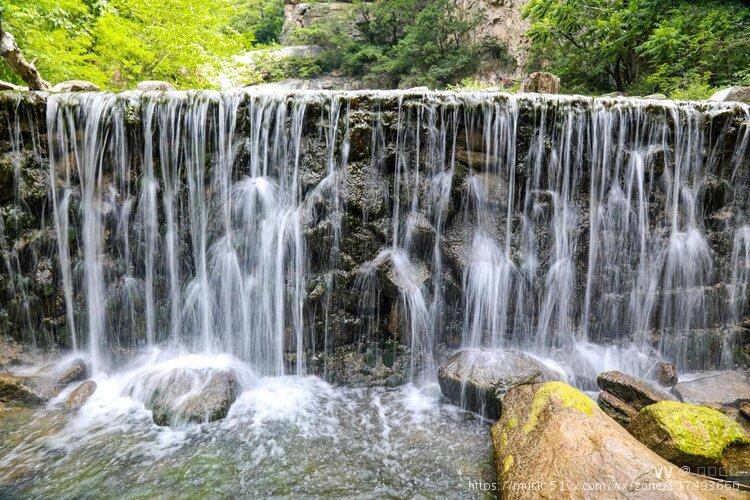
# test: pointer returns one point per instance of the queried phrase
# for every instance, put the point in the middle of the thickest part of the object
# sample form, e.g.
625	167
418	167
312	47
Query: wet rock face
555	437
80	395
19	390
72	373
666	374
193	396
477	379
34	304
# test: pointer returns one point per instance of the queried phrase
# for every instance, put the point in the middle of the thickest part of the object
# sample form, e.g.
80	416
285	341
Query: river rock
154	85
735	93
74	372
633	391
724	389
666	373
541	82
193	396
76	86
16	389
477	379
616	408
689	435
554	442
80	395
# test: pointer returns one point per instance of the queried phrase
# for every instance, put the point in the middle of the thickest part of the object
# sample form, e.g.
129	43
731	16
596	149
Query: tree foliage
116	43
678	47
404	43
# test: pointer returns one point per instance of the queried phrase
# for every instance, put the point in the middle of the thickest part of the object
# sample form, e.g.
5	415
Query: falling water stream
261	231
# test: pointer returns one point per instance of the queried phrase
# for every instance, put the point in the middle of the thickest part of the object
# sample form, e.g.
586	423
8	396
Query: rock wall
427	219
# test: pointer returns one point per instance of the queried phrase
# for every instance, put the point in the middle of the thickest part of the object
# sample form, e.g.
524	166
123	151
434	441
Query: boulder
633	391
154	85
73	372
666	373
554	442
616	408
11	86
688	435
541	82
724	389
477	379
736	93
192	396
80	395
19	390
76	86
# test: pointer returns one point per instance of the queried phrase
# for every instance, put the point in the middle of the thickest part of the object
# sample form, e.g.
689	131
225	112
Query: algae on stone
686	434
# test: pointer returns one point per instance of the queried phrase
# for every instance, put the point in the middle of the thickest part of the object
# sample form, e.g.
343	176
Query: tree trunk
26	70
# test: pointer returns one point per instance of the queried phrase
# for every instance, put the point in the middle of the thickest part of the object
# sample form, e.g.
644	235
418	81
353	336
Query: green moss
570	397
696	430
507	463
512	423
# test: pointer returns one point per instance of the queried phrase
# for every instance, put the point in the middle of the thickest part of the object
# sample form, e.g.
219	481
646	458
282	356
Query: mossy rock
555	438
687	435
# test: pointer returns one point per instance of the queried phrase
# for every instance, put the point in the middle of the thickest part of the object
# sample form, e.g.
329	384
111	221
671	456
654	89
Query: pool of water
284	436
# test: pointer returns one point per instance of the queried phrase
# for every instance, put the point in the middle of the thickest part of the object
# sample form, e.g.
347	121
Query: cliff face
505	24
504	21
277	227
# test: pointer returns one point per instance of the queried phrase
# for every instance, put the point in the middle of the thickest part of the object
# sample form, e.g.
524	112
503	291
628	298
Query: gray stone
736	93
154	85
666	374
72	373
19	390
80	395
725	388
193	396
616	408
541	82
477	379
76	86
634	391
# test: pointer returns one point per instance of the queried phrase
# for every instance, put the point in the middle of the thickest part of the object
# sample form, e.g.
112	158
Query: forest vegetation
681	48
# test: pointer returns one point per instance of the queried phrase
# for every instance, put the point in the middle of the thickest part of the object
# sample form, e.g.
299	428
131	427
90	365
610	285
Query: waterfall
279	227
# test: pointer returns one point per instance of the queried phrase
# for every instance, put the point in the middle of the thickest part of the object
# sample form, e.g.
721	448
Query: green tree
403	43
641	45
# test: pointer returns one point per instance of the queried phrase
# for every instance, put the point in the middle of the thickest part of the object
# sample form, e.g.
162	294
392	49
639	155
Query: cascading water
268	237
202	220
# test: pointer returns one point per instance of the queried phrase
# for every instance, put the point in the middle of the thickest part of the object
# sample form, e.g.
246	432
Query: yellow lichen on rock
569	396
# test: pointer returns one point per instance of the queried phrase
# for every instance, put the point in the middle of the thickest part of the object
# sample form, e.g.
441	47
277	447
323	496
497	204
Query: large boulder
723	389
554	442
688	435
477	379
19	390
634	391
191	396
736	93
76	86
541	82
80	395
